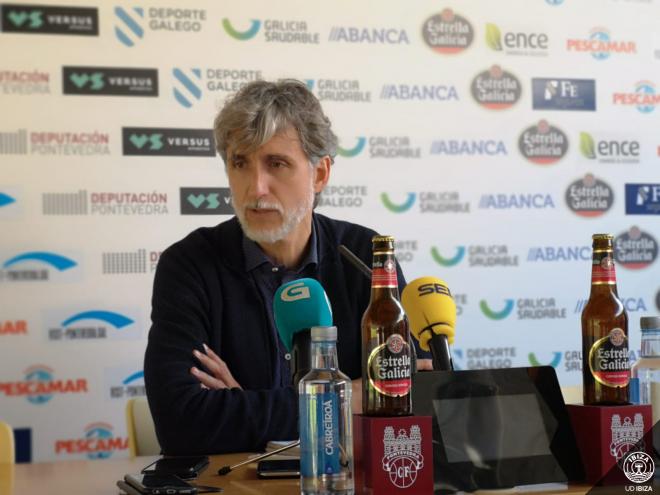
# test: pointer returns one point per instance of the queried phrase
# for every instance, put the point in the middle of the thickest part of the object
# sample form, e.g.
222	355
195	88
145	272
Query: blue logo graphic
138	375
5	200
497	315
250	33
455	260
55	260
186	86
310	84
457	358
645	88
39	374
99	431
398	208
556	359
564	94
129	30
603	37
355	150
554	2
115	319
642	199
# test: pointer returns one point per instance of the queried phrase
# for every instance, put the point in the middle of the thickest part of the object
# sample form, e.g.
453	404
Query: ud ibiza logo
402	456
638	467
295	292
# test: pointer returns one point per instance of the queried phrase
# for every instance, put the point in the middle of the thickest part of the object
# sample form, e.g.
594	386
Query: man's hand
356	401
218	375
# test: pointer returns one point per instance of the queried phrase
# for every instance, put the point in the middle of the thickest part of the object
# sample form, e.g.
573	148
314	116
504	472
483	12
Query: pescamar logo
547	254
49	19
645	99
538	201
159	141
609	150
642	199
601	45
635	249
109	81
338	196
589	197
496	89
516	43
206	201
509	304
563	94
99	442
380	35
543	143
39	385
448	33
482	256
92	325
13	327
39	266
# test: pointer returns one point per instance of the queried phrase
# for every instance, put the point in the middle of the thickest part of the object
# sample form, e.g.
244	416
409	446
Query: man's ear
322	173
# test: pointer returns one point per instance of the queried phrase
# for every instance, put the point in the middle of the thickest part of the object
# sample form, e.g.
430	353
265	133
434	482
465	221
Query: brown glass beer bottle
386	353
605	364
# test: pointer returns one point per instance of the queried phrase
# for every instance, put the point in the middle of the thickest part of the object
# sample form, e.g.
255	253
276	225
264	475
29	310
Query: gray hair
261	109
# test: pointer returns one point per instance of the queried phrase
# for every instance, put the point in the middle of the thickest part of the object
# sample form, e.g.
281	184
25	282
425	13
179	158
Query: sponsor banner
49	19
11	202
104	203
543	144
289	31
468	147
123	382
225	80
496	89
635	249
552	254
206	201
24	82
483	358
448	32
589	196
369	35
342	196
525	43
109	81
429	202
40	384
91	325
609	150
97	442
563	94
644	98
553	358
65	143
405	250
642	199
159	141
40	266
13	327
383	147
632	304
541	308
601	44
508	201
132	23
477	255
419	92
128	262
339	90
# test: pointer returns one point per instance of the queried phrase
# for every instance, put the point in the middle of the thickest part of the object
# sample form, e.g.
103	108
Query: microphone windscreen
428	304
298	305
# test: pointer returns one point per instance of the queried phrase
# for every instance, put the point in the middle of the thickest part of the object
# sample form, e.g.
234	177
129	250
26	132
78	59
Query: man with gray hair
216	372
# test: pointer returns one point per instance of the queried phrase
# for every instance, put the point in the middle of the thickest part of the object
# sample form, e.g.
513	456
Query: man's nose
259	182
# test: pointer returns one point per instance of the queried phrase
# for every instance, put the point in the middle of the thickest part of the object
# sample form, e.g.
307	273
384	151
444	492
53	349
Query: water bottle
645	382
326	425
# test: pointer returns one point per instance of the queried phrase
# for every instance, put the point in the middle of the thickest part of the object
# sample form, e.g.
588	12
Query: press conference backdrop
490	138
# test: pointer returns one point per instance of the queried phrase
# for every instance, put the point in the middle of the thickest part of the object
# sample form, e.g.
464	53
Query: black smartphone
278	468
159	484
186	467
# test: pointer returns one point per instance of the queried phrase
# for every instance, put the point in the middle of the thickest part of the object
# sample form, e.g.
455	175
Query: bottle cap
382	238
649	322
602	236
324	334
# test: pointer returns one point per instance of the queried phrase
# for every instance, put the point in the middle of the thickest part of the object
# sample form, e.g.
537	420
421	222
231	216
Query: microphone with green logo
298	306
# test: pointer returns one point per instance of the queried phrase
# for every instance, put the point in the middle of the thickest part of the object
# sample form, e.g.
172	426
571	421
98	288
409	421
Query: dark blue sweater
202	295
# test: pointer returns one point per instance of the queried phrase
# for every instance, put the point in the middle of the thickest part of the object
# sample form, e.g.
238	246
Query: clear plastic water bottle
326	424
645	381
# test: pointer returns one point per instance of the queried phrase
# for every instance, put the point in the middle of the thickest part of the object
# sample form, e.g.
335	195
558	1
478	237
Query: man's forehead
284	141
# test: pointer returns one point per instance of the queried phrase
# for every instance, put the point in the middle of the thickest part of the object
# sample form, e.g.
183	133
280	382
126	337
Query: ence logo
635	249
30	266
447	32
644	98
158	141
13	327
6	199
496	89
206	201
589	197
248	34
98	442
93	325
554	362
497	315
448	262
543	143
41	19
400	207
516	43
186	87
355	150
39	385
110	81
600	45
609	151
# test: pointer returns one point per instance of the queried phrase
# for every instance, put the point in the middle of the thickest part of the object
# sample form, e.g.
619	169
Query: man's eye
278	164
237	164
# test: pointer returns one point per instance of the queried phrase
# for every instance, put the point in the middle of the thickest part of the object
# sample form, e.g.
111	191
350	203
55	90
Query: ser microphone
432	315
298	306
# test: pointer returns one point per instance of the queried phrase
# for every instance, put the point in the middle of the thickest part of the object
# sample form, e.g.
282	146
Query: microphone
298	306
432	315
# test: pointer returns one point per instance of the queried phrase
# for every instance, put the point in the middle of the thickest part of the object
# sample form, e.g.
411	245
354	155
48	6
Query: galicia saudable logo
563	94
46	19
160	141
482	256
496	89
109	81
361	141
635	249
497	315
642	199
543	143
206	201
245	35
589	196
448	33
554	362
398	207
448	262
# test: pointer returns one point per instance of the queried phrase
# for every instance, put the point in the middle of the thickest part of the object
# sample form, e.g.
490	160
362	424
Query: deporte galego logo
158	141
109	81
51	19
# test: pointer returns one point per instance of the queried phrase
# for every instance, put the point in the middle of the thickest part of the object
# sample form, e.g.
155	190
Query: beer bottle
605	366
386	352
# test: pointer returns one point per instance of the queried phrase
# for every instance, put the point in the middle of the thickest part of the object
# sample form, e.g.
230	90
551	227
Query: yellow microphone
432	316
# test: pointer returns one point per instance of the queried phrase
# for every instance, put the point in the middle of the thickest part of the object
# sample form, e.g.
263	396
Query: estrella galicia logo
451	261
93	324
361	141
494	314
6	199
39	385
563	94
554	362
42	19
543	144
635	249
642	199
589	196
187	86
206	201
447	32
159	141
245	35
109	81
398	207
98	442
496	89
129	25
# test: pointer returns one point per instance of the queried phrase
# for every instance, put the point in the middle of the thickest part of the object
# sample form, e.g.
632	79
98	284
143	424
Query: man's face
273	187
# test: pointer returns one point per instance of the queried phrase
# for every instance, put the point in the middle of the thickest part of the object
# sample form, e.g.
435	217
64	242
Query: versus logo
159	141
496	89
35	266
112	81
516	43
554	361
92	325
447	32
39	385
536	201
361	141
559	253
187	86
543	143
390	36
488	147
398	207
563	94
6	199
42	19
206	201
609	151
635	249
478	255
13	327
642	199
589	197
497	315
98	442
245	35
644	98
129	22
600	45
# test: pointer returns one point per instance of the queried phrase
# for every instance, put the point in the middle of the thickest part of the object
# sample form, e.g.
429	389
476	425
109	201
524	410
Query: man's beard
290	218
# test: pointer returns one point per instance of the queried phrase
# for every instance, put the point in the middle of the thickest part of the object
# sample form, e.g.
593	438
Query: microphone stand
227	469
